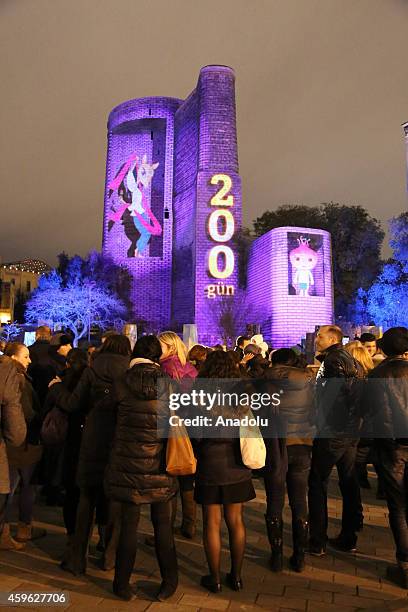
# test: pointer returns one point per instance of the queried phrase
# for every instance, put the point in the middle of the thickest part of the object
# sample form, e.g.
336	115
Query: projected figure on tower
303	260
130	204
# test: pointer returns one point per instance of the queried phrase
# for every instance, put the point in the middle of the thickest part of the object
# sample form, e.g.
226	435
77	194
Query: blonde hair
174	346
352	345
360	353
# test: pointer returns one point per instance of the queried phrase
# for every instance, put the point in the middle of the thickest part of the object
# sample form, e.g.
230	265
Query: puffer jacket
386	399
95	397
136	471
296	391
339	389
12	423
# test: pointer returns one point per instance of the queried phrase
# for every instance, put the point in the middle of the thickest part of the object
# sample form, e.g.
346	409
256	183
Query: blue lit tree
100	269
399	237
76	302
386	301
10	331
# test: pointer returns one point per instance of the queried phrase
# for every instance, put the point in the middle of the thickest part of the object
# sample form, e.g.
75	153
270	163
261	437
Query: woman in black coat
222	482
288	459
136	473
76	364
94	397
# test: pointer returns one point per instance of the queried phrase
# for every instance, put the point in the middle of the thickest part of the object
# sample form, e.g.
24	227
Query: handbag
54	429
180	459
253	449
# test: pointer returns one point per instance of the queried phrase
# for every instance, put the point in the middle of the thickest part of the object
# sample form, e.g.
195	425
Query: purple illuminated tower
207	203
173	202
290	283
172	210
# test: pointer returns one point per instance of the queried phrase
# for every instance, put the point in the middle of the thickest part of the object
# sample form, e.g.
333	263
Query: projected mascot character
303	260
129	188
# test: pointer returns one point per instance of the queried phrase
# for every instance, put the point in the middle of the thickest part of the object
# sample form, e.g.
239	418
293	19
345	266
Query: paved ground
337	582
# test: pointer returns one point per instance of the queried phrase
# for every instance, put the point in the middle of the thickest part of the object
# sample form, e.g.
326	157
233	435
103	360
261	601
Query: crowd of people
82	426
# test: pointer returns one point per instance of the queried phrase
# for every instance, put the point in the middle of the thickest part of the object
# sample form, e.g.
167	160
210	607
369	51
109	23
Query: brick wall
184	213
206	144
285	318
145	125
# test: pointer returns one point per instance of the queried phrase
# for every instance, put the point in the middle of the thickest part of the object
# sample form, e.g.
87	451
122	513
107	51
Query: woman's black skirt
224	494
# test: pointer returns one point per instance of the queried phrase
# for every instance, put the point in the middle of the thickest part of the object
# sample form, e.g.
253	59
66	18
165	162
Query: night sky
321	86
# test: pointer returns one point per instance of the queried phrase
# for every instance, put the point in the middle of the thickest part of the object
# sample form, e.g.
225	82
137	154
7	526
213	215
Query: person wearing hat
59	350
259	341
387	401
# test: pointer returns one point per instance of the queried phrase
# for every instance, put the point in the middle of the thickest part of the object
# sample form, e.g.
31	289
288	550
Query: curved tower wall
142	127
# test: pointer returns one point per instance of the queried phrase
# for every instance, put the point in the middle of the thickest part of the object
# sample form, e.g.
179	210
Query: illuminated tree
100	269
290	214
399	237
77	305
10	331
386	301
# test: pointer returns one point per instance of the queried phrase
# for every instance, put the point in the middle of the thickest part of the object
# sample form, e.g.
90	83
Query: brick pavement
338	582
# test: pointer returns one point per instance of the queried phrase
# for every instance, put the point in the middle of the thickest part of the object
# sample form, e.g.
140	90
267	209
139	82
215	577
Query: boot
166	591
124	593
189	508
25	532
274	527
7	542
300	529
